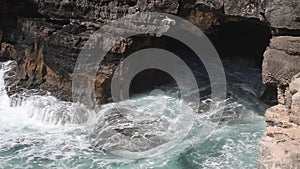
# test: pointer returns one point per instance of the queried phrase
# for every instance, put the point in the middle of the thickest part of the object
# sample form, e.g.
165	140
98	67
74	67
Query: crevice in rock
285	32
131	3
185	7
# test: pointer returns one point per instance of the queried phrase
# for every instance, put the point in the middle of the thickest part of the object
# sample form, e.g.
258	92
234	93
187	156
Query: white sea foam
43	132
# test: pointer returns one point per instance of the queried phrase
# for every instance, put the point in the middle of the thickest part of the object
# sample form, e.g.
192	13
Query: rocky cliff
45	37
281	143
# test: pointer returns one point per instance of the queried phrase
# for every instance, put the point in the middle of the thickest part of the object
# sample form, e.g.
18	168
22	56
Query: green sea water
30	138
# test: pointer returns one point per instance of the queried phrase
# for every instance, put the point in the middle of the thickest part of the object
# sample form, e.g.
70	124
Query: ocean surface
43	132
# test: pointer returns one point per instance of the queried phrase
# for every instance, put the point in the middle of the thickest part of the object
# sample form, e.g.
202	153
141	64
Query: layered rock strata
46	36
280	147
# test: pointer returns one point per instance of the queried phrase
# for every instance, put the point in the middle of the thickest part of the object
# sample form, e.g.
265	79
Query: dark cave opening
243	42
150	79
237	42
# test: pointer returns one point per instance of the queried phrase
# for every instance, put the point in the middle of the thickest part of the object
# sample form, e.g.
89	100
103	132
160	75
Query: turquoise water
33	133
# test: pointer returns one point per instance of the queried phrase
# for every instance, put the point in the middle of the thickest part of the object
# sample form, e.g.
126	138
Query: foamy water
43	132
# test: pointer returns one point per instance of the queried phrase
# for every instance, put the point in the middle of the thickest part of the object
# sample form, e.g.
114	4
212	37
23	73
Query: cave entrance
243	42
239	42
152	81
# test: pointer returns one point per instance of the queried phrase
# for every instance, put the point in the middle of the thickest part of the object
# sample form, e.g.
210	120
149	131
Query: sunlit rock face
280	145
281	60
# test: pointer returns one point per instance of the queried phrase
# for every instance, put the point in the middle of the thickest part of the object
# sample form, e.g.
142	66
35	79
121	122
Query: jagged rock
283	14
278	116
295	100
48	35
295	108
280	145
295	84
7	52
244	8
62	28
281	60
103	10
114	131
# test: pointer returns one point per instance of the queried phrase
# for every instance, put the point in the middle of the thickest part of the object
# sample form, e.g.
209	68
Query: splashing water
155	131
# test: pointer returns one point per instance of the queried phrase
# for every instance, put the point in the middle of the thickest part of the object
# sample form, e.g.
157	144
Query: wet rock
116	132
244	8
47	36
62	27
7	52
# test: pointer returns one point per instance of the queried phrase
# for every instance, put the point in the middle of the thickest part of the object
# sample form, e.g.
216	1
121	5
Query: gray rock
281	61
280	145
295	109
283	13
115	132
295	84
295	105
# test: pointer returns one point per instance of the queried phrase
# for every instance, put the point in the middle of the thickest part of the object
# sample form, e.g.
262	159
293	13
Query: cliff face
281	143
45	37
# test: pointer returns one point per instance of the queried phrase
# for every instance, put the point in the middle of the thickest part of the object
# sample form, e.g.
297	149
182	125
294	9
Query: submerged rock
116	131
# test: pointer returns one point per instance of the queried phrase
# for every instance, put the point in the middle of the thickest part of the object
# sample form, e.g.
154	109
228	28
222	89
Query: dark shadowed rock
57	30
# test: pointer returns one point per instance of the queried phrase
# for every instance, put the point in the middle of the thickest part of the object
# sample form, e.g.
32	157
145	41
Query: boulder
281	60
115	132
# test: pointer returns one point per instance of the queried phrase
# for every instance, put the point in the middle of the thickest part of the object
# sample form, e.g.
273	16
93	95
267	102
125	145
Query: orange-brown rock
8	51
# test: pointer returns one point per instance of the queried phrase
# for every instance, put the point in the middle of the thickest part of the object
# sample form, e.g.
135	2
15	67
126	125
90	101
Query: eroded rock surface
116	132
281	60
46	36
57	30
280	147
